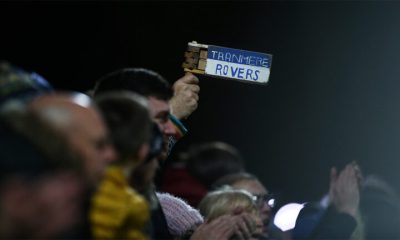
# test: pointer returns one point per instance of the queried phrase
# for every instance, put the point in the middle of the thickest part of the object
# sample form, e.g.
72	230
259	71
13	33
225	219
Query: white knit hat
180	216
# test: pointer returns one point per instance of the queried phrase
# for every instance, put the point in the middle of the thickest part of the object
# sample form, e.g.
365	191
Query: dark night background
333	94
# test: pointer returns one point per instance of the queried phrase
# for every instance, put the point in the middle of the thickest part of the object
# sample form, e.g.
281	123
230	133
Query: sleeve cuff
180	128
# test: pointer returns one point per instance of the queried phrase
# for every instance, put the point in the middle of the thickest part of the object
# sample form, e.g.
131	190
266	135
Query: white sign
238	64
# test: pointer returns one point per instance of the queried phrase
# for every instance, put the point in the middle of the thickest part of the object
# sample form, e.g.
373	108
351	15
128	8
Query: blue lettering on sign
239	56
248	74
256	73
218	68
236	72
240	74
225	71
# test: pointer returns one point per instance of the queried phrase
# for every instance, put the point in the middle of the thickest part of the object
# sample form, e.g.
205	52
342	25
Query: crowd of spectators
92	166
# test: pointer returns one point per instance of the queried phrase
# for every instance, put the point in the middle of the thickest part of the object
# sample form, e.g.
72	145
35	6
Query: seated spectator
76	116
250	183
181	100
42	190
18	86
167	105
218	203
336	217
201	166
118	211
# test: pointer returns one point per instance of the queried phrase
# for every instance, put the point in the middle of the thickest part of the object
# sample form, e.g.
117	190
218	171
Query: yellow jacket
117	211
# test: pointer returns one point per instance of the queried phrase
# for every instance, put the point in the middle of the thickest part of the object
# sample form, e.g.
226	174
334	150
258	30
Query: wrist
352	211
176	114
181	129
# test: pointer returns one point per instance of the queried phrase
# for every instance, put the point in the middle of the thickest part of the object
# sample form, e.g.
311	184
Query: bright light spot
81	99
271	202
285	218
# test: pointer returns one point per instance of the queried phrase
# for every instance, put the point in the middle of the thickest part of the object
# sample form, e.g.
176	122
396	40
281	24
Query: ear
143	152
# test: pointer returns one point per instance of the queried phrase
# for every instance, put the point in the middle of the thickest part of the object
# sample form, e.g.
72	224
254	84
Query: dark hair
142	81
128	119
210	161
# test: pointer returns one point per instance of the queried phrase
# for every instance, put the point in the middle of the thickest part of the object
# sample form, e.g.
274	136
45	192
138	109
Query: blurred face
159	110
83	127
89	137
60	202
258	190
48	207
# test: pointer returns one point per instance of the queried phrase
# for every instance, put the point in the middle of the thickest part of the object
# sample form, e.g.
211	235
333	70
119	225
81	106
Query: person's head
148	84
42	190
19	86
128	119
225	201
250	183
75	116
210	161
143	175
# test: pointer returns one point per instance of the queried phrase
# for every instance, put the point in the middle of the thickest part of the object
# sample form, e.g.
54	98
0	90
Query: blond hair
220	202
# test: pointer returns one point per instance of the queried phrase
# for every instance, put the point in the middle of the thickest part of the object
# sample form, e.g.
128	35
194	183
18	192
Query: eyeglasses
268	199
